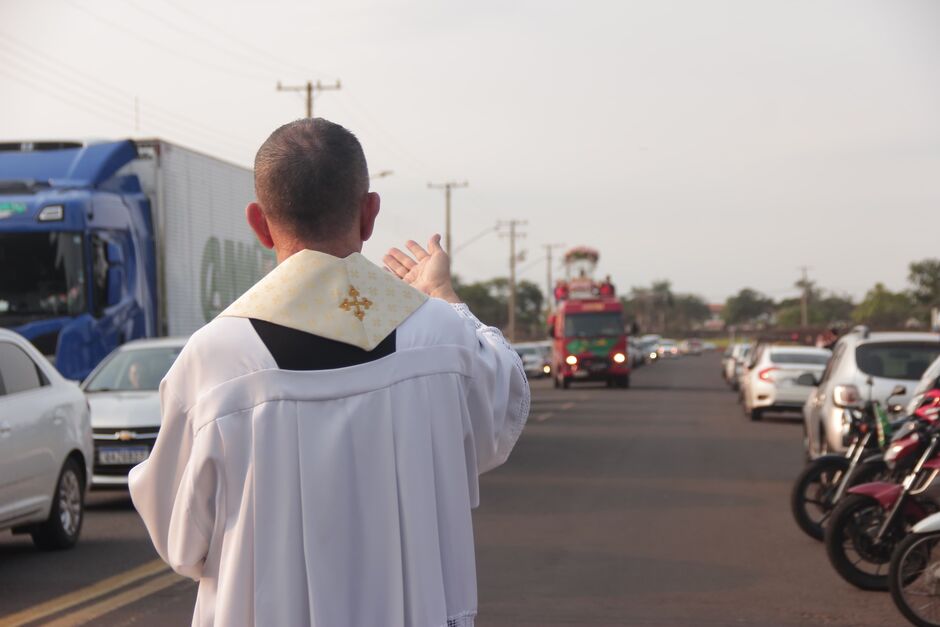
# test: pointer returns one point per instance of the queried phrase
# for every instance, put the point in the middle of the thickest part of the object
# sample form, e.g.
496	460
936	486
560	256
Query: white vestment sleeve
499	398
176	491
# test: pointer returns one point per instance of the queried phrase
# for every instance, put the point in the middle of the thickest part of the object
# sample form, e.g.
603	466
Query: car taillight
846	396
767	374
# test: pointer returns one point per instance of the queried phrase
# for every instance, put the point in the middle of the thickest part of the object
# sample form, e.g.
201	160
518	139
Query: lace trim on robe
492	332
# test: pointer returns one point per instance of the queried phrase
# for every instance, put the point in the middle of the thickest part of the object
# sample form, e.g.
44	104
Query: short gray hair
310	176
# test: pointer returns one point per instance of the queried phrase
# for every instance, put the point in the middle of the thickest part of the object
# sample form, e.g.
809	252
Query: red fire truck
587	328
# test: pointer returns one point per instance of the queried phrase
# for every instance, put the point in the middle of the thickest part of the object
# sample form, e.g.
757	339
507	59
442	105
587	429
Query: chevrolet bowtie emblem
125	436
356	306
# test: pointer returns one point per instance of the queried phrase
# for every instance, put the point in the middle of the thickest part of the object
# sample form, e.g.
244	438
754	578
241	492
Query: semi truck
105	242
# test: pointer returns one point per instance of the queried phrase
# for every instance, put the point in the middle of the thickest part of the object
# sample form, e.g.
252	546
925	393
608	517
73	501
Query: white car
770	381
125	406
533	359
45	447
863	364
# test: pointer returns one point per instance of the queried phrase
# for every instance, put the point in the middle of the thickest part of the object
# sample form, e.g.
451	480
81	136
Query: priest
322	438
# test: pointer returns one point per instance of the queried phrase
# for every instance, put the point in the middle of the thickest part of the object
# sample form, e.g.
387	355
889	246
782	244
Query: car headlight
571	360
619	358
547	369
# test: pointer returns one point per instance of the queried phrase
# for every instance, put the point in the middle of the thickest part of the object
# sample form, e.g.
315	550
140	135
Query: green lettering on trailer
228	269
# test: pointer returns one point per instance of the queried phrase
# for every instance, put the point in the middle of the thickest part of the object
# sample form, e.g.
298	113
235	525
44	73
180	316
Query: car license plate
123	456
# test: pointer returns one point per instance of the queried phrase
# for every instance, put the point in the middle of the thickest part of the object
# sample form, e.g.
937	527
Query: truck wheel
624	381
566	382
756	415
61	529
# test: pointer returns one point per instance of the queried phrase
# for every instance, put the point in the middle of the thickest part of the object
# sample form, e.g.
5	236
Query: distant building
715	322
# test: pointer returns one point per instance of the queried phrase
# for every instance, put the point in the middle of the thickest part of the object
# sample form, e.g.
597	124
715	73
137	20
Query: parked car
770	382
927	381
533	359
863	365
125	406
735	362
46	448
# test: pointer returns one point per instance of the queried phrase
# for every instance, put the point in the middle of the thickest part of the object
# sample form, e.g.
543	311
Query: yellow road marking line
81	595
96	610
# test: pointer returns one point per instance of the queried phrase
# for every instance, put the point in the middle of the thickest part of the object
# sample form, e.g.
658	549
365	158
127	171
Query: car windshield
594	324
896	360
799	357
133	370
41	275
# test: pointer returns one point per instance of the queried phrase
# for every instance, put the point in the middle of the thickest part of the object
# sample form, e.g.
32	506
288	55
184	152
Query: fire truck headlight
620	358
571	360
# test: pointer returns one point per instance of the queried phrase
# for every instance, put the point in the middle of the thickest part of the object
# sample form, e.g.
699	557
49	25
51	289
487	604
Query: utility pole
549	289
513	258
804	298
309	87
449	185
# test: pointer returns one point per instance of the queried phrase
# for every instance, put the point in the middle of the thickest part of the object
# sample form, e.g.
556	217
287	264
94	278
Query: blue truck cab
102	243
77	256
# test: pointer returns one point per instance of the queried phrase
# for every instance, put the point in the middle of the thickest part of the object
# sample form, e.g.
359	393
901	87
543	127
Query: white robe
335	497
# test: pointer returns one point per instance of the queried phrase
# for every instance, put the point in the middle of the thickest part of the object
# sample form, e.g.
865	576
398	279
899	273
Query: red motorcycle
867	525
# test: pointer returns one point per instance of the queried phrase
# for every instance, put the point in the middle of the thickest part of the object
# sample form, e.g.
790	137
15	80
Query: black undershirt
299	350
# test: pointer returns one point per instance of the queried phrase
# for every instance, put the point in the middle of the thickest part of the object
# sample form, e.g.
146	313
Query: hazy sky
715	144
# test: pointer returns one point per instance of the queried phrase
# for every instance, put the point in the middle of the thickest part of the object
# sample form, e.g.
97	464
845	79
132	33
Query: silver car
770	381
864	365
125	406
45	447
734	364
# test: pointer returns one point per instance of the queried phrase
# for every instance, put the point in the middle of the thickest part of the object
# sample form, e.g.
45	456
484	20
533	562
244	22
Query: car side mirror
808	379
898	390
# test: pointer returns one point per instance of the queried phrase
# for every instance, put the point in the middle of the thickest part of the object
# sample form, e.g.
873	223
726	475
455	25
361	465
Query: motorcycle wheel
851	546
914	578
811	498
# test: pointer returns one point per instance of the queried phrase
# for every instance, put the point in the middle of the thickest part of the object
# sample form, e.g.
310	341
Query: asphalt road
658	505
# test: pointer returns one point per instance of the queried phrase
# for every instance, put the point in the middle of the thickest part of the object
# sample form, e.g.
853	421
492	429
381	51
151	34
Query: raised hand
426	270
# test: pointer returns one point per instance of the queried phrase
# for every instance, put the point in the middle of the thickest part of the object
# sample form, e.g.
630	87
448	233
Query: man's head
312	188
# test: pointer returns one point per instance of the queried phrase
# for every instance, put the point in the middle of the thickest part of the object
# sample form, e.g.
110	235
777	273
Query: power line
82	80
138	37
481	234
239	43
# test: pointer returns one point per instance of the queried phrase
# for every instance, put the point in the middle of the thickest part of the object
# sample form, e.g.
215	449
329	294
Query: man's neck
336	249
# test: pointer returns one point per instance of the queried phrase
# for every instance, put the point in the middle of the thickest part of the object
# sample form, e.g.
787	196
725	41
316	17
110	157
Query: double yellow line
88	613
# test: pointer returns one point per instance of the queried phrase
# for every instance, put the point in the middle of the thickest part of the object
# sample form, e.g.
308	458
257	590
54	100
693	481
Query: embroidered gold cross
356	305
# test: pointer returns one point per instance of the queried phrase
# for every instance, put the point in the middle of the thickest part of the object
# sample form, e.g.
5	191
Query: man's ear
259	224
369	212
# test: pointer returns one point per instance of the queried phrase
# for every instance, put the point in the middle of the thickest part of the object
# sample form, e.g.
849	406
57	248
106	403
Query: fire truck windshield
594	324
41	275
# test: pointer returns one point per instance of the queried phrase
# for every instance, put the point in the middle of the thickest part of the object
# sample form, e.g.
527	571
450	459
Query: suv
863	365
45	447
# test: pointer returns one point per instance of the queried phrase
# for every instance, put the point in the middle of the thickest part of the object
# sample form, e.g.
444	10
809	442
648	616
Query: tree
689	312
884	309
924	276
747	306
489	301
